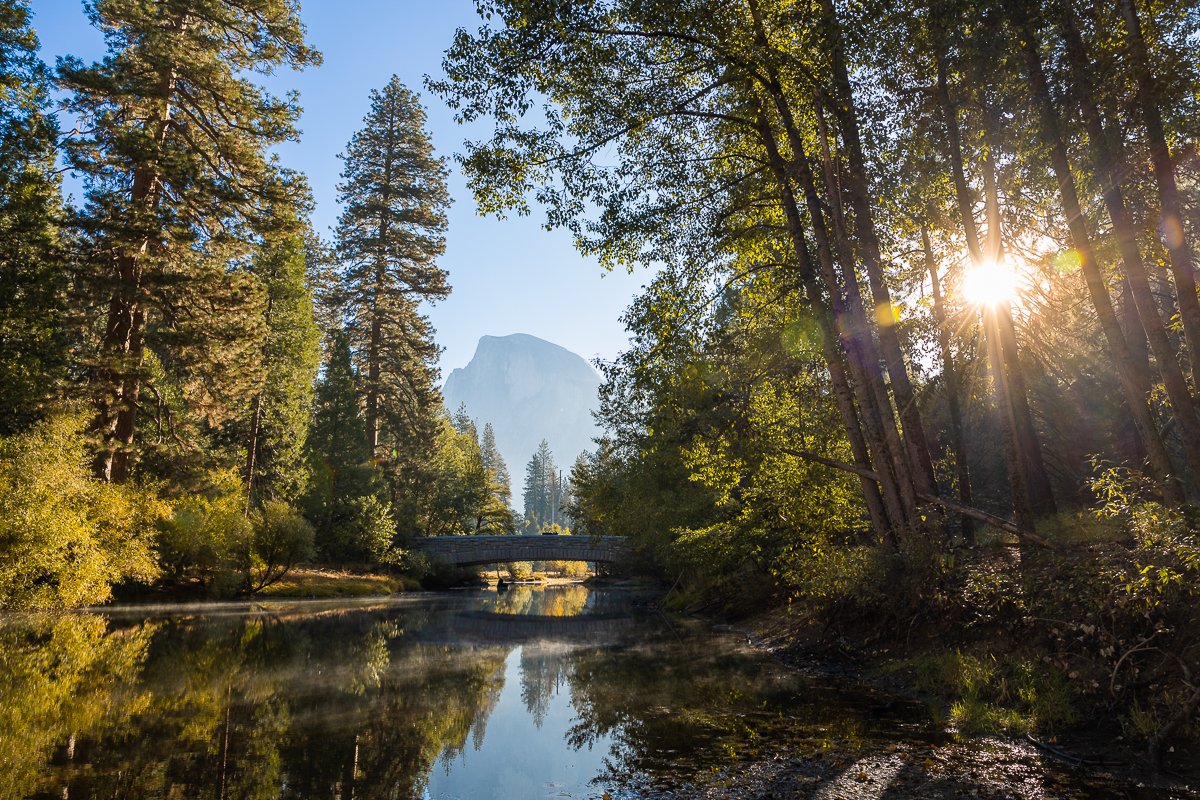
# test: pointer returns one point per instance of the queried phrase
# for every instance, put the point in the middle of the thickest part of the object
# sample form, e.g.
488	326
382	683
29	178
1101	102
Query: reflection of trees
546	601
236	707
543	669
674	711
56	677
428	711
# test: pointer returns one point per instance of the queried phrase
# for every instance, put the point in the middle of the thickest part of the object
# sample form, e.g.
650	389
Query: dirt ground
988	769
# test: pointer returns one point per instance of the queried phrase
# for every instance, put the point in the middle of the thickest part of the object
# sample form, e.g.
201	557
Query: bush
520	570
66	538
209	540
357	530
282	538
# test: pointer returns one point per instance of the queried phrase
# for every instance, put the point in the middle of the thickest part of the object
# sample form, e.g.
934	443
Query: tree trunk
123	345
884	529
1134	383
252	448
857	190
958	440
1023	459
1136	275
848	320
1174	233
851	327
375	344
962	193
1037	483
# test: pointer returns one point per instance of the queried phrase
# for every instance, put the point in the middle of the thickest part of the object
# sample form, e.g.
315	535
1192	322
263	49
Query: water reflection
529	694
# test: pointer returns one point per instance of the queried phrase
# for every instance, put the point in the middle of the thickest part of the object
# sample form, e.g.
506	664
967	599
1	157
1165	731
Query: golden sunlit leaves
887	314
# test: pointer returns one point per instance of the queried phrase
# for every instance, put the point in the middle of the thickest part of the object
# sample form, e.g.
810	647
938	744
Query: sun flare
989	283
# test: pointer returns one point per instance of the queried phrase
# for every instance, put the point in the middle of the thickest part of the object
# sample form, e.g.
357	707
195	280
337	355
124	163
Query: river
563	692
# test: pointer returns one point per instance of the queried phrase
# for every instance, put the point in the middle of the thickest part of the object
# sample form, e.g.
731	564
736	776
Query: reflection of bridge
466	551
481	628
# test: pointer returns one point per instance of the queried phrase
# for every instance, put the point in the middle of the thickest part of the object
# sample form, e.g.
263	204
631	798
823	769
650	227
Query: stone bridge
466	551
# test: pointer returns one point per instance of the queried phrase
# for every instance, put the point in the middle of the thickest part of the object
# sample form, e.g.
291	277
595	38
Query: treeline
194	387
924	288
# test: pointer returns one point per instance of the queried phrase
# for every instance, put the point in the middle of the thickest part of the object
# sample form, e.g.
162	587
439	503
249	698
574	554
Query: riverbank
988	769
1091	758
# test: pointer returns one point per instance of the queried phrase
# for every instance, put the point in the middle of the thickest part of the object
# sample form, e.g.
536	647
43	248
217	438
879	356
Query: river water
563	692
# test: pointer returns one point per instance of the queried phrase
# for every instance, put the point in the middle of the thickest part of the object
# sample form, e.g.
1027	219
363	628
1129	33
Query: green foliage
991	695
209	539
357	530
282	538
352	523
281	414
66	538
33	277
456	493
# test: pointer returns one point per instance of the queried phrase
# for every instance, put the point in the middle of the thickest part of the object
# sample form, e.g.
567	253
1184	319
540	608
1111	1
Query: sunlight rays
990	283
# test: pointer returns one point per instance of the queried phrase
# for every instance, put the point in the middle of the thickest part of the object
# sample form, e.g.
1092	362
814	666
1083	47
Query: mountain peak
529	389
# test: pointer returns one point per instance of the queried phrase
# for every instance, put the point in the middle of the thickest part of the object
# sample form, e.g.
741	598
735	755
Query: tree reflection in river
309	700
287	705
56	677
569	600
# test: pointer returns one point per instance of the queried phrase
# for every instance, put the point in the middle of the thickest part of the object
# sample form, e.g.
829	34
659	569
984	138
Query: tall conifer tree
178	184
280	413
543	488
493	462
389	237
32	286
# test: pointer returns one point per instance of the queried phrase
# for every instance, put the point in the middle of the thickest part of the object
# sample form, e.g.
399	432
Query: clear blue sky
509	276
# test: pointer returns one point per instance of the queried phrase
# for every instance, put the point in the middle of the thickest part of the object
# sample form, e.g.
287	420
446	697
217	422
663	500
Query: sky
509	276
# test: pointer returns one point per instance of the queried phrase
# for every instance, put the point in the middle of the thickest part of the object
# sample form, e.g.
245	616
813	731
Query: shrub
209	540
282	538
66	538
519	570
356	530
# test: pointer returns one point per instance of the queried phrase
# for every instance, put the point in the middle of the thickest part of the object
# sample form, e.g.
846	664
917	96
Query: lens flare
989	283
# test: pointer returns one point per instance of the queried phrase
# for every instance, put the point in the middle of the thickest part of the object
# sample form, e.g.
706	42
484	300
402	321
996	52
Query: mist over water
564	692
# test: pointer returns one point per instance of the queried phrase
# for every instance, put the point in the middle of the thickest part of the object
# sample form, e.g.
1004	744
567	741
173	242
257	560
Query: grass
315	582
990	694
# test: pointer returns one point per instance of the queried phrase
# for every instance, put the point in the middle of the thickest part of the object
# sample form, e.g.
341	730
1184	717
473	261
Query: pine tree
543	489
464	424
33	346
344	503
325	285
179	184
493	462
389	236
280	414
337	443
